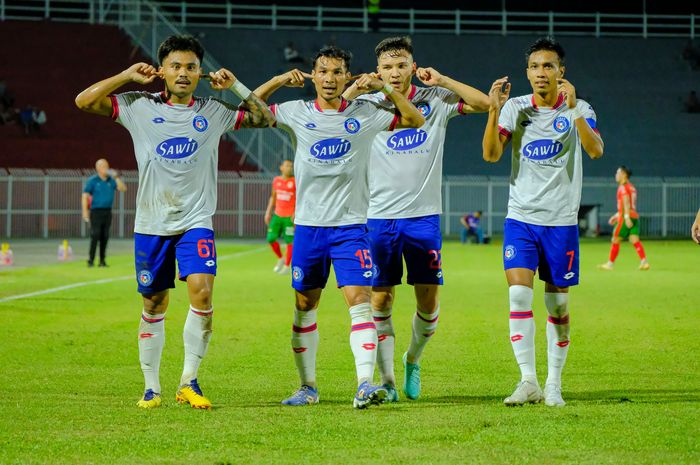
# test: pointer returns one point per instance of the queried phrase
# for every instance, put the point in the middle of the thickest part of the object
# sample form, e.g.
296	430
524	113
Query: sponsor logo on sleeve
200	123
177	147
328	149
352	125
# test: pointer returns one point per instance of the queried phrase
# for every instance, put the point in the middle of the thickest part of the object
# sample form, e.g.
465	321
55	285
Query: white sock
363	341
424	326
196	336
522	330
151	342
557	335
305	345
385	347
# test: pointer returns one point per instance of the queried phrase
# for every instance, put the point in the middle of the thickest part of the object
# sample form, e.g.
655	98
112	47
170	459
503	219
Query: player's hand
429	76
569	91
268	217
613	220
86	217
112	173
499	93
142	73
295	78
628	223
222	79
369	81
695	230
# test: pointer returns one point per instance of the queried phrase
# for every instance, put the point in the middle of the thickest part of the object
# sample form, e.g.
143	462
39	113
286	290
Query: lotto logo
516	338
367	274
563	343
369	346
298	350
569	275
381	337
145	335
210	263
509	252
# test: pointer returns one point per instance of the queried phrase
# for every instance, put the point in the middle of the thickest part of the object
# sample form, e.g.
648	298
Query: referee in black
98	197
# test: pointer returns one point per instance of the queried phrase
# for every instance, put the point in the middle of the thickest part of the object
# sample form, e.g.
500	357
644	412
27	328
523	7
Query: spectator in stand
292	55
691	55
39	118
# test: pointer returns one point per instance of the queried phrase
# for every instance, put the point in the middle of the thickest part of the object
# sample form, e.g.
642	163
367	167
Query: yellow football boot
192	394
150	400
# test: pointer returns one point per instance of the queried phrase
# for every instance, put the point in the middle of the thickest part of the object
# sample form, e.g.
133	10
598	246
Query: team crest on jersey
158	120
290	184
407	139
352	125
200	123
509	252
297	274
561	124
424	108
328	149
145	277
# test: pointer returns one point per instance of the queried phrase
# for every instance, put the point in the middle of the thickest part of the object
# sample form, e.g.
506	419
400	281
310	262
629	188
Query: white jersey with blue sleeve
331	157
177	150
546	172
405	173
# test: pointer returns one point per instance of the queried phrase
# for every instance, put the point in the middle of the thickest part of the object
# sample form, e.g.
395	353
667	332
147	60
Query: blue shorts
346	247
551	249
417	240
194	251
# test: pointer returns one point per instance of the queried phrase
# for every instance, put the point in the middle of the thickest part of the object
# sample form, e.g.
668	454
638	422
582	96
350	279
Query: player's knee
520	297
155	304
382	300
305	303
557	303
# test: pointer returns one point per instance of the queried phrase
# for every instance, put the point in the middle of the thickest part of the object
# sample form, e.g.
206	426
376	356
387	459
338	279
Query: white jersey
331	157
177	151
405	170
546	173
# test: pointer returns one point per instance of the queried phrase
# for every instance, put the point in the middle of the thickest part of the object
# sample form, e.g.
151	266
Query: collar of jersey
167	101
559	102
411	94
343	105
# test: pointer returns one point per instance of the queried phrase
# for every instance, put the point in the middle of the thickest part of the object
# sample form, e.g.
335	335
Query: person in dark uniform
98	197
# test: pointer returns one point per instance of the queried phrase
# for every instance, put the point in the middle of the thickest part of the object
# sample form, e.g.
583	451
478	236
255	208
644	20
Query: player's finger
307	75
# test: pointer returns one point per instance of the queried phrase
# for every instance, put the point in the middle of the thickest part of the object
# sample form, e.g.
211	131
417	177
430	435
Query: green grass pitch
71	377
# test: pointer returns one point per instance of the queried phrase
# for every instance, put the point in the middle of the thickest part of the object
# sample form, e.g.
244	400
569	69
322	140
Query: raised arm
590	140
409	116
95	99
494	142
695	229
293	78
258	115
475	100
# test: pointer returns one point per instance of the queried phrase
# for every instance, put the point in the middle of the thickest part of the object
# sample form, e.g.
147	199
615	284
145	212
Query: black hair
627	171
391	44
180	43
546	43
331	51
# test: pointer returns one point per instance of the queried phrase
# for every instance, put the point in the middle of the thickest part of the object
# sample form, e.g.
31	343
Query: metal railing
322	18
48	206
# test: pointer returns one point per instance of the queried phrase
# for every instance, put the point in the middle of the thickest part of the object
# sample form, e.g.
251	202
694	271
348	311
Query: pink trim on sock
152	320
521	315
308	329
559	321
427	321
361	326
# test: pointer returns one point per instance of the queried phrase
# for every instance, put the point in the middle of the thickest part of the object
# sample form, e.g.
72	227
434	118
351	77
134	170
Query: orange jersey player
281	222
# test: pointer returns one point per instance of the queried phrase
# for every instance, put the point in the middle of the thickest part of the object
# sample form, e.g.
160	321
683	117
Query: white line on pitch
108	280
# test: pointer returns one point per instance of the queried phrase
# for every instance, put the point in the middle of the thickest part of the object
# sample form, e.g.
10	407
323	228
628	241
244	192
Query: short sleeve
228	117
506	120
283	113
89	186
588	113
383	117
125	107
453	103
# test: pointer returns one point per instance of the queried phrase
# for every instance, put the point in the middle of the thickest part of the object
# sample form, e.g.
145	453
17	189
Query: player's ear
414	68
561	71
160	72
